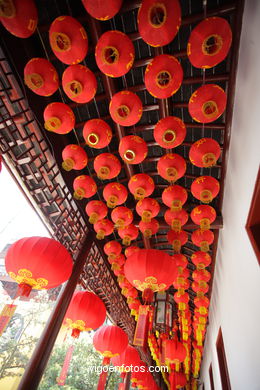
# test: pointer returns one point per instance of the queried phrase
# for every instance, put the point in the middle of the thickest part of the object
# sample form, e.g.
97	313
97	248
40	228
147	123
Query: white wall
235	303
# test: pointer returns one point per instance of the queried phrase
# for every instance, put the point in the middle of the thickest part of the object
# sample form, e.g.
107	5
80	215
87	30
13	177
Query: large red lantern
175	352
112	249
126	108
102	10
207	103
41	77
58	118
141	186
68	40
122	217
205	188
74	157
159	22
163	76
110	341
176	219
209	42
149	228
114	53
203	215
103	228
174	197
171	167
97	133
131	250
19	17
169	132
133	149
128	234
114	194
147	208
203	239
38	263
204	153
177	239
96	210
201	259
107	166
79	83
129	357
84	187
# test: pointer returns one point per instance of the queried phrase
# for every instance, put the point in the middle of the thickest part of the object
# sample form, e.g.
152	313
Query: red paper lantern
183	273
133	149
74	157
96	210
128	234
129	357
141	186
205	188
182	298
122	217
169	132
176	219
175	352
84	187
19	17
58	118
107	166
112	249
171	167
103	228
209	42
201	259
201	275
203	215
101	10
177	380
114	53
163	76
68	40
117	262
41	77
181	283
201	302
114	194
203	239
149	228
38	263
79	83
97	133
126	108
200	287
180	261
174	197
204	153
177	239
159	22
207	103
110	340
147	208
131	250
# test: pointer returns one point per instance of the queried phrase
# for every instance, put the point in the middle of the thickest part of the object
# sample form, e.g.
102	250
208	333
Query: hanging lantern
84	187
149	228
203	215
122	217
163	76
114	53
200	287
58	118
174	197
159	22
129	357
209	42
163	313
41	77
74	157
180	283
101	10
112	249
207	103
177	239
205	188
171	167
107	166
175	352
182	298
204	153
147	208
180	261
126	108
176	219
177	380
68	40
183	273
141	186
79	83
201	259
38	263
103	228
133	149
97	133
117	262
203	239
114	194
169	132
19	17
201	302
128	234
131	250
201	275
96	210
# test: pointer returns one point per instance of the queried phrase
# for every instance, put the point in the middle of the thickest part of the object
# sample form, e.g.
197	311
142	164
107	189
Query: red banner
103	375
141	330
64	371
5	317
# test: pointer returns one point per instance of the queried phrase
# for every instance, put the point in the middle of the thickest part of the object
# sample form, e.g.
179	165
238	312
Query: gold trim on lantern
103	173
206	196
139	193
129	155
153	15
204	246
120	223
25	276
176	245
169	132
68	164
210	109
122	112
176	225
127	240
93	218
112	201
52	124
163	79
34	81
171	173
151	283
146	216
7	9
79	193
60	41
101	234
73	88
92	139
148	233
212	45
176	205
110	52
209	160
205	224
79	324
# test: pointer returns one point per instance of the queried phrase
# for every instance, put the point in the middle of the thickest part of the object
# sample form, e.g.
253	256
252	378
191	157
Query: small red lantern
174	197
147	208
126	108
204	153
79	83
177	239
205	188
171	167
176	219
163	76
97	133
117	262
114	194
112	249
177	380
175	352
141	186
107	166
58	118
103	228
133	149
180	261
201	275
19	17
122	217
74	157
84	187
110	340
183	273
101	10
201	302
207	103
96	210
131	250
209	42
68	40
159	22
128	234
203	215
41	77
149	228
200	287
114	53
181	283
203	239
129	357
201	259
182	298
169	132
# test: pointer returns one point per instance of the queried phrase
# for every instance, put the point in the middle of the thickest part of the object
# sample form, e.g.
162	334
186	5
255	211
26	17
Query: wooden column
36	366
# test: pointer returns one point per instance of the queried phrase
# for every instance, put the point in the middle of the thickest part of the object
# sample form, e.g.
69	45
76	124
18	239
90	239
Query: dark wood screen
222	361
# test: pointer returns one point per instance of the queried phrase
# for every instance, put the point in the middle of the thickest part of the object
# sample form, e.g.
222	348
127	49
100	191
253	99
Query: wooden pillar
36	366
